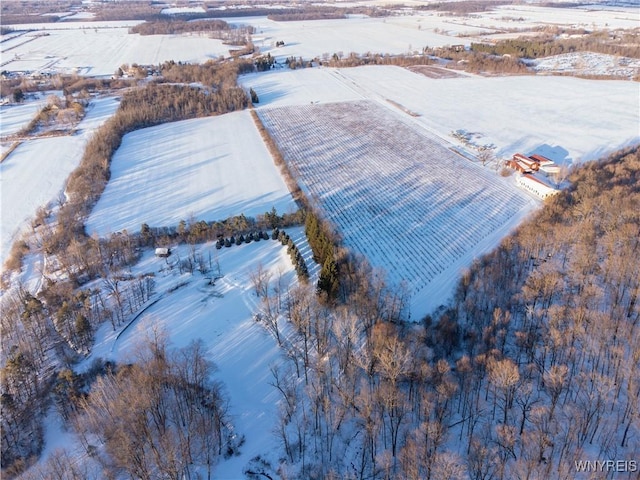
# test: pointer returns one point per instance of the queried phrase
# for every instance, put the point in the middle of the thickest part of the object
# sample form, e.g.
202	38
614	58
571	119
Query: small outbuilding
163	252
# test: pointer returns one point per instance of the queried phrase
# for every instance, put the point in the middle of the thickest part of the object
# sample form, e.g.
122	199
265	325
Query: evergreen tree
18	95
145	234
254	96
328	281
83	328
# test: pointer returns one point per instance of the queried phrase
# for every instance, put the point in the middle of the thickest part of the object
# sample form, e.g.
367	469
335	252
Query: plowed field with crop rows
397	193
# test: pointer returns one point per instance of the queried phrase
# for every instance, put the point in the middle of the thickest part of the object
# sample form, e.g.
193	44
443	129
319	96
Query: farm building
519	166
535	186
548	167
533	163
520	161
540	159
163	252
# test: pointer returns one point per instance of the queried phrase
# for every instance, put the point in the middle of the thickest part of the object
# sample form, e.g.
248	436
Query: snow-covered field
359	34
99	49
385	177
208	168
35	173
406	202
15	117
528	114
588	16
179	10
403	33
568	119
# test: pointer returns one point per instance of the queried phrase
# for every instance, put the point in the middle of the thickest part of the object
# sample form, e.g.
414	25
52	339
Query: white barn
535	186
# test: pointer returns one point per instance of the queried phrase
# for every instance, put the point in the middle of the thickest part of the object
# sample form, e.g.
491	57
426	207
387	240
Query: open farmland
402	33
570	120
532	114
399	196
34	174
208	169
15	117
98	49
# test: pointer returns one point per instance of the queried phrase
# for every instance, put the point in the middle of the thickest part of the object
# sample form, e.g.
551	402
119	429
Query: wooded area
535	363
623	44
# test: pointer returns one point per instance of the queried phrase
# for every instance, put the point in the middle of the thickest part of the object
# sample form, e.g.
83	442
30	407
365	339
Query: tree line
217	75
170	26
625	44
464	7
323	243
308	14
199	231
338	59
214	28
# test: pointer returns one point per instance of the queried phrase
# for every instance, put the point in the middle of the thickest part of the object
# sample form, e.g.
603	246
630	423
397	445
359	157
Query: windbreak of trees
215	75
624	44
21	18
323	243
306	14
140	108
126	11
464	7
200	231
219	29
338	59
169	26
57	114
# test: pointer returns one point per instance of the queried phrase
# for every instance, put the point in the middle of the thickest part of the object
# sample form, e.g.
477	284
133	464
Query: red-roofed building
523	163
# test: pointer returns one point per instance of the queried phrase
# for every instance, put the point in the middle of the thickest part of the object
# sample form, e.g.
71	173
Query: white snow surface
34	174
178	10
207	169
98	49
359	34
528	114
15	117
567	119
